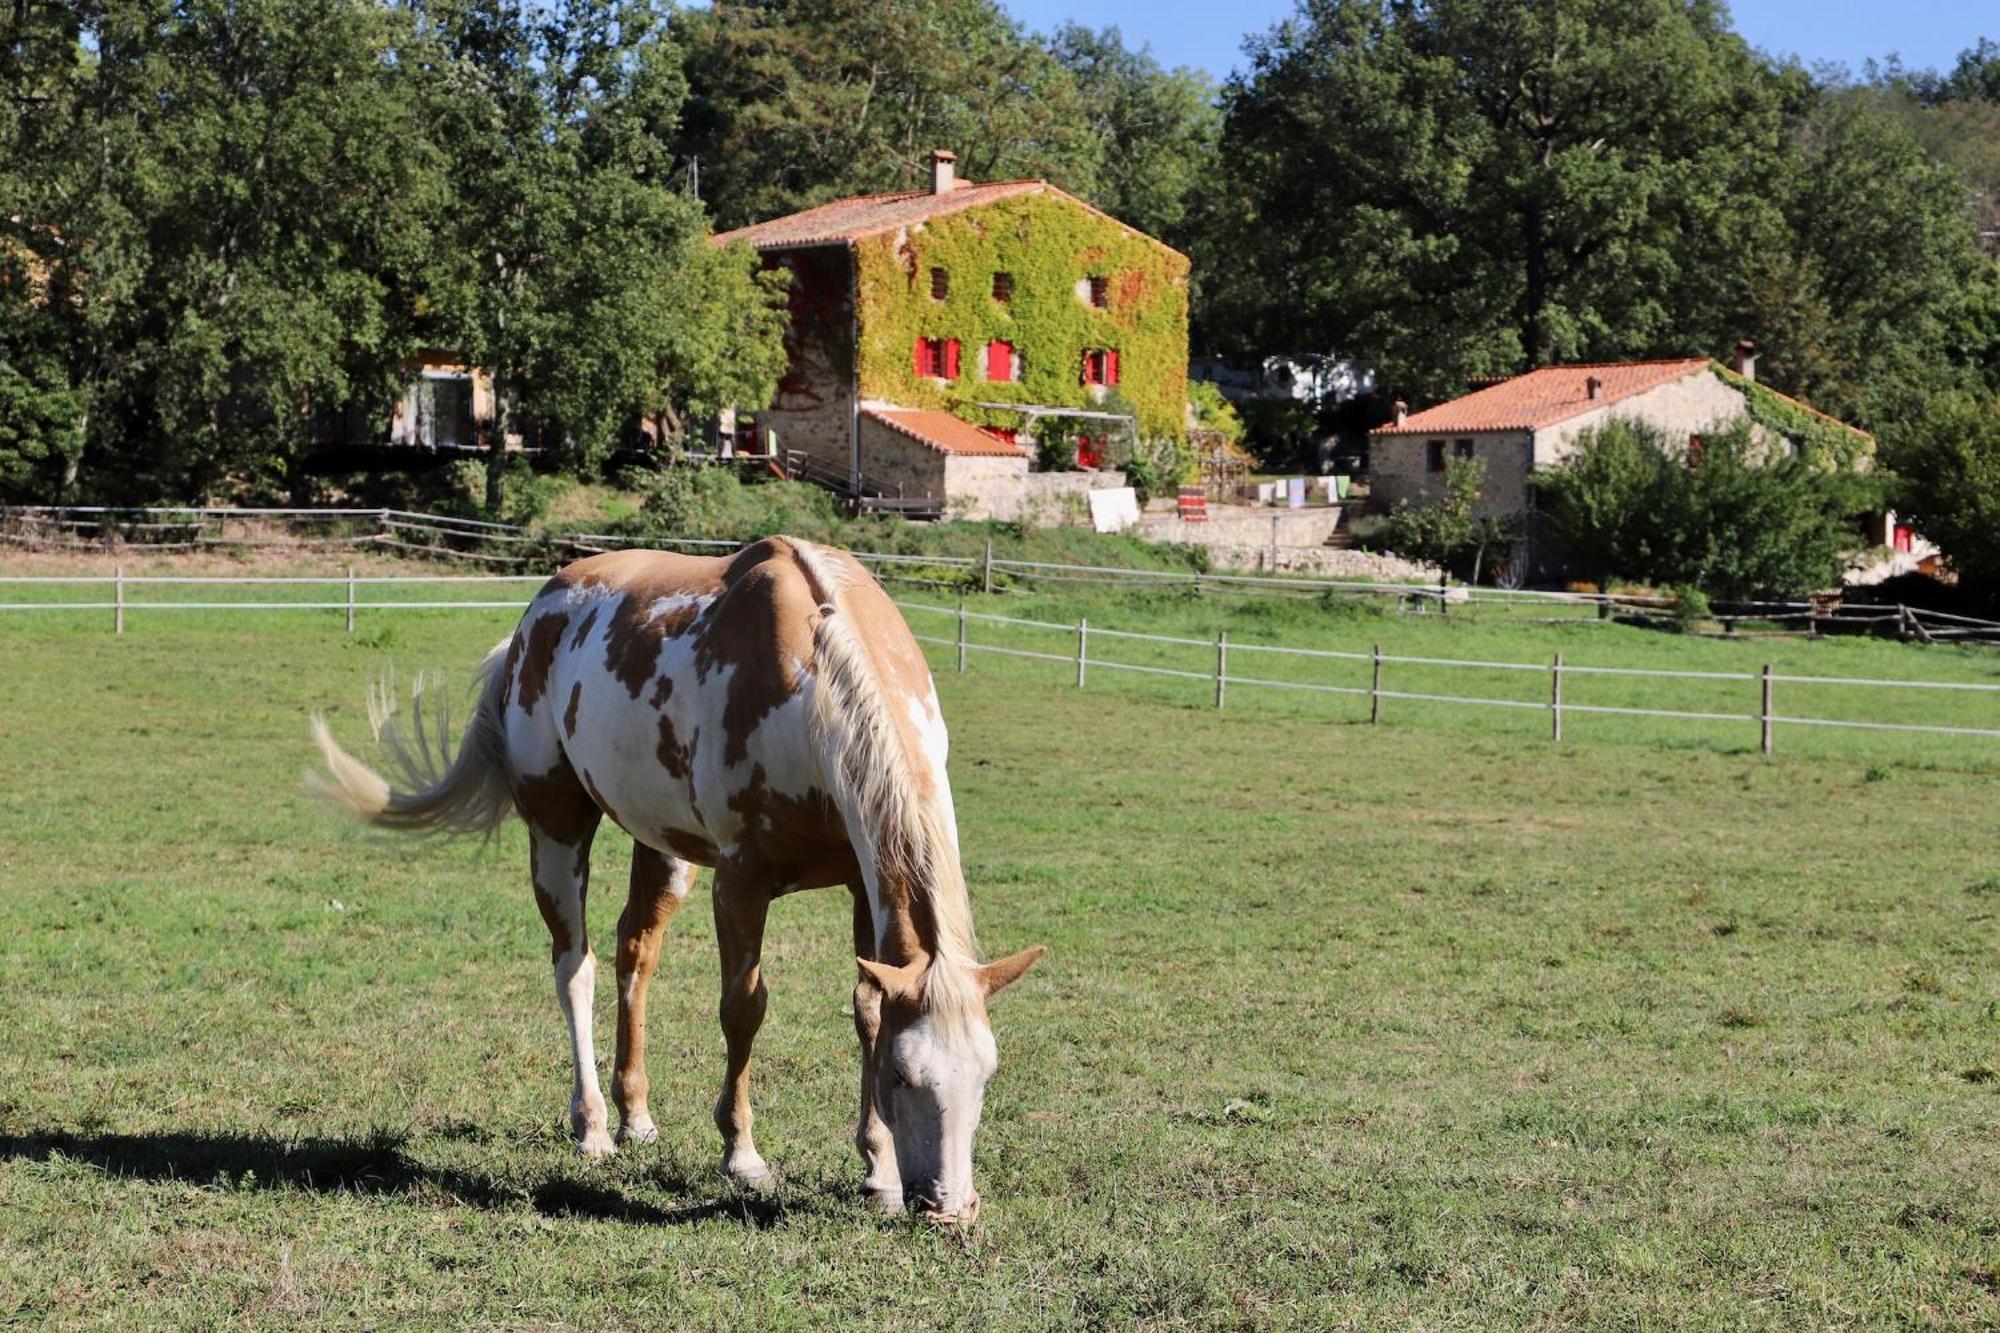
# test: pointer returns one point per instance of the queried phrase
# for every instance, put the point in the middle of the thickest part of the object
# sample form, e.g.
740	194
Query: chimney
1594	387
1746	359
1402	411
944	171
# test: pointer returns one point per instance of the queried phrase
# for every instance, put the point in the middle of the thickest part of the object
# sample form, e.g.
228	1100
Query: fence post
986	570
961	635
1764	715
350	599
1444	585
1375	688
1221	666
1556	699
118	616
1082	648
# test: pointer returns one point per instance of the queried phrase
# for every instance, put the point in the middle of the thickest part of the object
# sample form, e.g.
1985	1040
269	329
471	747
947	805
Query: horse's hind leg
660	883
740	908
562	820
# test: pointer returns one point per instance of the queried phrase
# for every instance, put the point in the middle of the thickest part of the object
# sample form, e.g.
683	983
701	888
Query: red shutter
922	359
1111	366
1000	361
951	359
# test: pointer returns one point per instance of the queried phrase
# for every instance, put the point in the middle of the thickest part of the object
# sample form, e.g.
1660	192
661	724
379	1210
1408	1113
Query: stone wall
1322	562
1003	488
892	459
1696	405
1399	468
813	410
1235	525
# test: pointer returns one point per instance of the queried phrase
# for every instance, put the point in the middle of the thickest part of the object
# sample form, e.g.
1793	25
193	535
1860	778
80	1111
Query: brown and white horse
770	715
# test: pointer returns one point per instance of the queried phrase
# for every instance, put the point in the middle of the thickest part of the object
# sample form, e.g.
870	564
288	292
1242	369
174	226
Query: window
1695	445
936	358
940	284
1100	292
1461	448
1000	361
1003	287
1434	455
1100	366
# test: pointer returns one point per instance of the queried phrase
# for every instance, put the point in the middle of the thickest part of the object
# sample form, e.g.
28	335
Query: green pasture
1433	1023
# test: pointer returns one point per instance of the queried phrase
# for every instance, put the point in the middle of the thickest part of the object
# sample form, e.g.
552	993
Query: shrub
1450	532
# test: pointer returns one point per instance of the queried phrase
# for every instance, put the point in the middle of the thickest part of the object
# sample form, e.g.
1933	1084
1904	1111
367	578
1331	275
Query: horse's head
933	1055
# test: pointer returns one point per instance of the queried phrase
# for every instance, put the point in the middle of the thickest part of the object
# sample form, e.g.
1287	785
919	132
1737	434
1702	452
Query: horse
768	715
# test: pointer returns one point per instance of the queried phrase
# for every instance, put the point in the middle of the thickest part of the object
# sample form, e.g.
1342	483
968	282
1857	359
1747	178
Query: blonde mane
907	826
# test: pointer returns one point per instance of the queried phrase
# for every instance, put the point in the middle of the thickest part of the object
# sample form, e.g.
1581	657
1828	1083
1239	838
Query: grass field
1432	1023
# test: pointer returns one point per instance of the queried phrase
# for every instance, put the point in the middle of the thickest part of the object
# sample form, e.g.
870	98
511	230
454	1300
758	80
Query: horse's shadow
381	1164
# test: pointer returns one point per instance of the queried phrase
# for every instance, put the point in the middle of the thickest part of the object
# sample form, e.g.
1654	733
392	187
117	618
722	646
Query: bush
1154	466
1741	520
712	503
1450	532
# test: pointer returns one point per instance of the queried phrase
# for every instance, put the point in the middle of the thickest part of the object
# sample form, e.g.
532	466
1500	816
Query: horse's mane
906	823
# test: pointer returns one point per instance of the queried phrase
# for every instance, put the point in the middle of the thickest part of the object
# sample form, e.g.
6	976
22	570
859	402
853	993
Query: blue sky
1209	35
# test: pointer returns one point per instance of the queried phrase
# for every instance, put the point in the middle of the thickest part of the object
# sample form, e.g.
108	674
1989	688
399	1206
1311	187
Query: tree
1450	532
569	261
1742	518
1948	468
1158	127
1471	187
796	102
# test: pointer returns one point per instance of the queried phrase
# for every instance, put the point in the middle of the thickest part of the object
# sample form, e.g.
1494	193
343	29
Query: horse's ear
895	983
1002	973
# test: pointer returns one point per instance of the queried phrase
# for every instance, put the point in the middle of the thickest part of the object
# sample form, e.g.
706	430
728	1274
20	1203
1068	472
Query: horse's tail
439	792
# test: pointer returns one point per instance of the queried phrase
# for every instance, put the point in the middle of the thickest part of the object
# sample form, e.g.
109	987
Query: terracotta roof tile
1544	397
868	215
943	432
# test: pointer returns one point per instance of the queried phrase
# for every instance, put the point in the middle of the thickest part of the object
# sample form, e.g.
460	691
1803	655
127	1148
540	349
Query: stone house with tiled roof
1529	423
931	329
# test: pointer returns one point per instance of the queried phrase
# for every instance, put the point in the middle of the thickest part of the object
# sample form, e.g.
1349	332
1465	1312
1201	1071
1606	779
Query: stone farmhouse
930	330
1532	422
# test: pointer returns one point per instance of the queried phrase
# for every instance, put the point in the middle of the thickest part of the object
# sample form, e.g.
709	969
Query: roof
845	221
1546	396
942	431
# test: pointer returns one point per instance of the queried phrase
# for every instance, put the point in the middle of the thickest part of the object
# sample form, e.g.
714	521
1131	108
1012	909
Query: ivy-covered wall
1818	438
1048	243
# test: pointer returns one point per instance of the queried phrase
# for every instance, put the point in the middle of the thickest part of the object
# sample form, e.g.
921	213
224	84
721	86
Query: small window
1000	361
1461	448
1003	287
940	284
936	358
1434	455
1100	366
1100	292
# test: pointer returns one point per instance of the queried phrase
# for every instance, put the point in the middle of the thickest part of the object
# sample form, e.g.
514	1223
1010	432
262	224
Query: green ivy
1819	439
1047	241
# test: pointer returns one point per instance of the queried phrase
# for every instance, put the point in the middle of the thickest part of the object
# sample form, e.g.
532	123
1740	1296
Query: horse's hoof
751	1173
645	1132
595	1143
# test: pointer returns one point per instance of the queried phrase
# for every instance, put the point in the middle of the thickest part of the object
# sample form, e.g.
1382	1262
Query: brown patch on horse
763	628
583	630
634	637
663	690
538	657
557	805
569	714
690	847
799	841
675	756
507	672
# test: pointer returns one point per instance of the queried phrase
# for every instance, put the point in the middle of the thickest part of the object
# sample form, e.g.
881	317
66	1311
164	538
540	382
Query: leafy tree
1471	187
1948	466
1740	519
795	102
1450	532
569	262
1159	129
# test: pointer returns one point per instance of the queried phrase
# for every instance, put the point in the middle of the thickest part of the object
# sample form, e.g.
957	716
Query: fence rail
1092	649
448	536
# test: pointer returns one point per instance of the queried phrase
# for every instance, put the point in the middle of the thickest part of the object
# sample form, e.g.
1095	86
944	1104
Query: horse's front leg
660	883
882	1183
559	852
740	909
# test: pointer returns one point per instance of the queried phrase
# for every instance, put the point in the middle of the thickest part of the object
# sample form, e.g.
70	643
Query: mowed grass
1433	1023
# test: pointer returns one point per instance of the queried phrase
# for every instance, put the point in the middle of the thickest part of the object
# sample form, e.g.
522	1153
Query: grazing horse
770	715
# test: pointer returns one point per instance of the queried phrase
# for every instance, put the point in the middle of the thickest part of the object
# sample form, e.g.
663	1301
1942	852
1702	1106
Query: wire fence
485	543
1560	690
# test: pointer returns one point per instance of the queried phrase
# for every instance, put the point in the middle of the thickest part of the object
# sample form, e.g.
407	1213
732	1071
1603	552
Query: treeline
221	215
